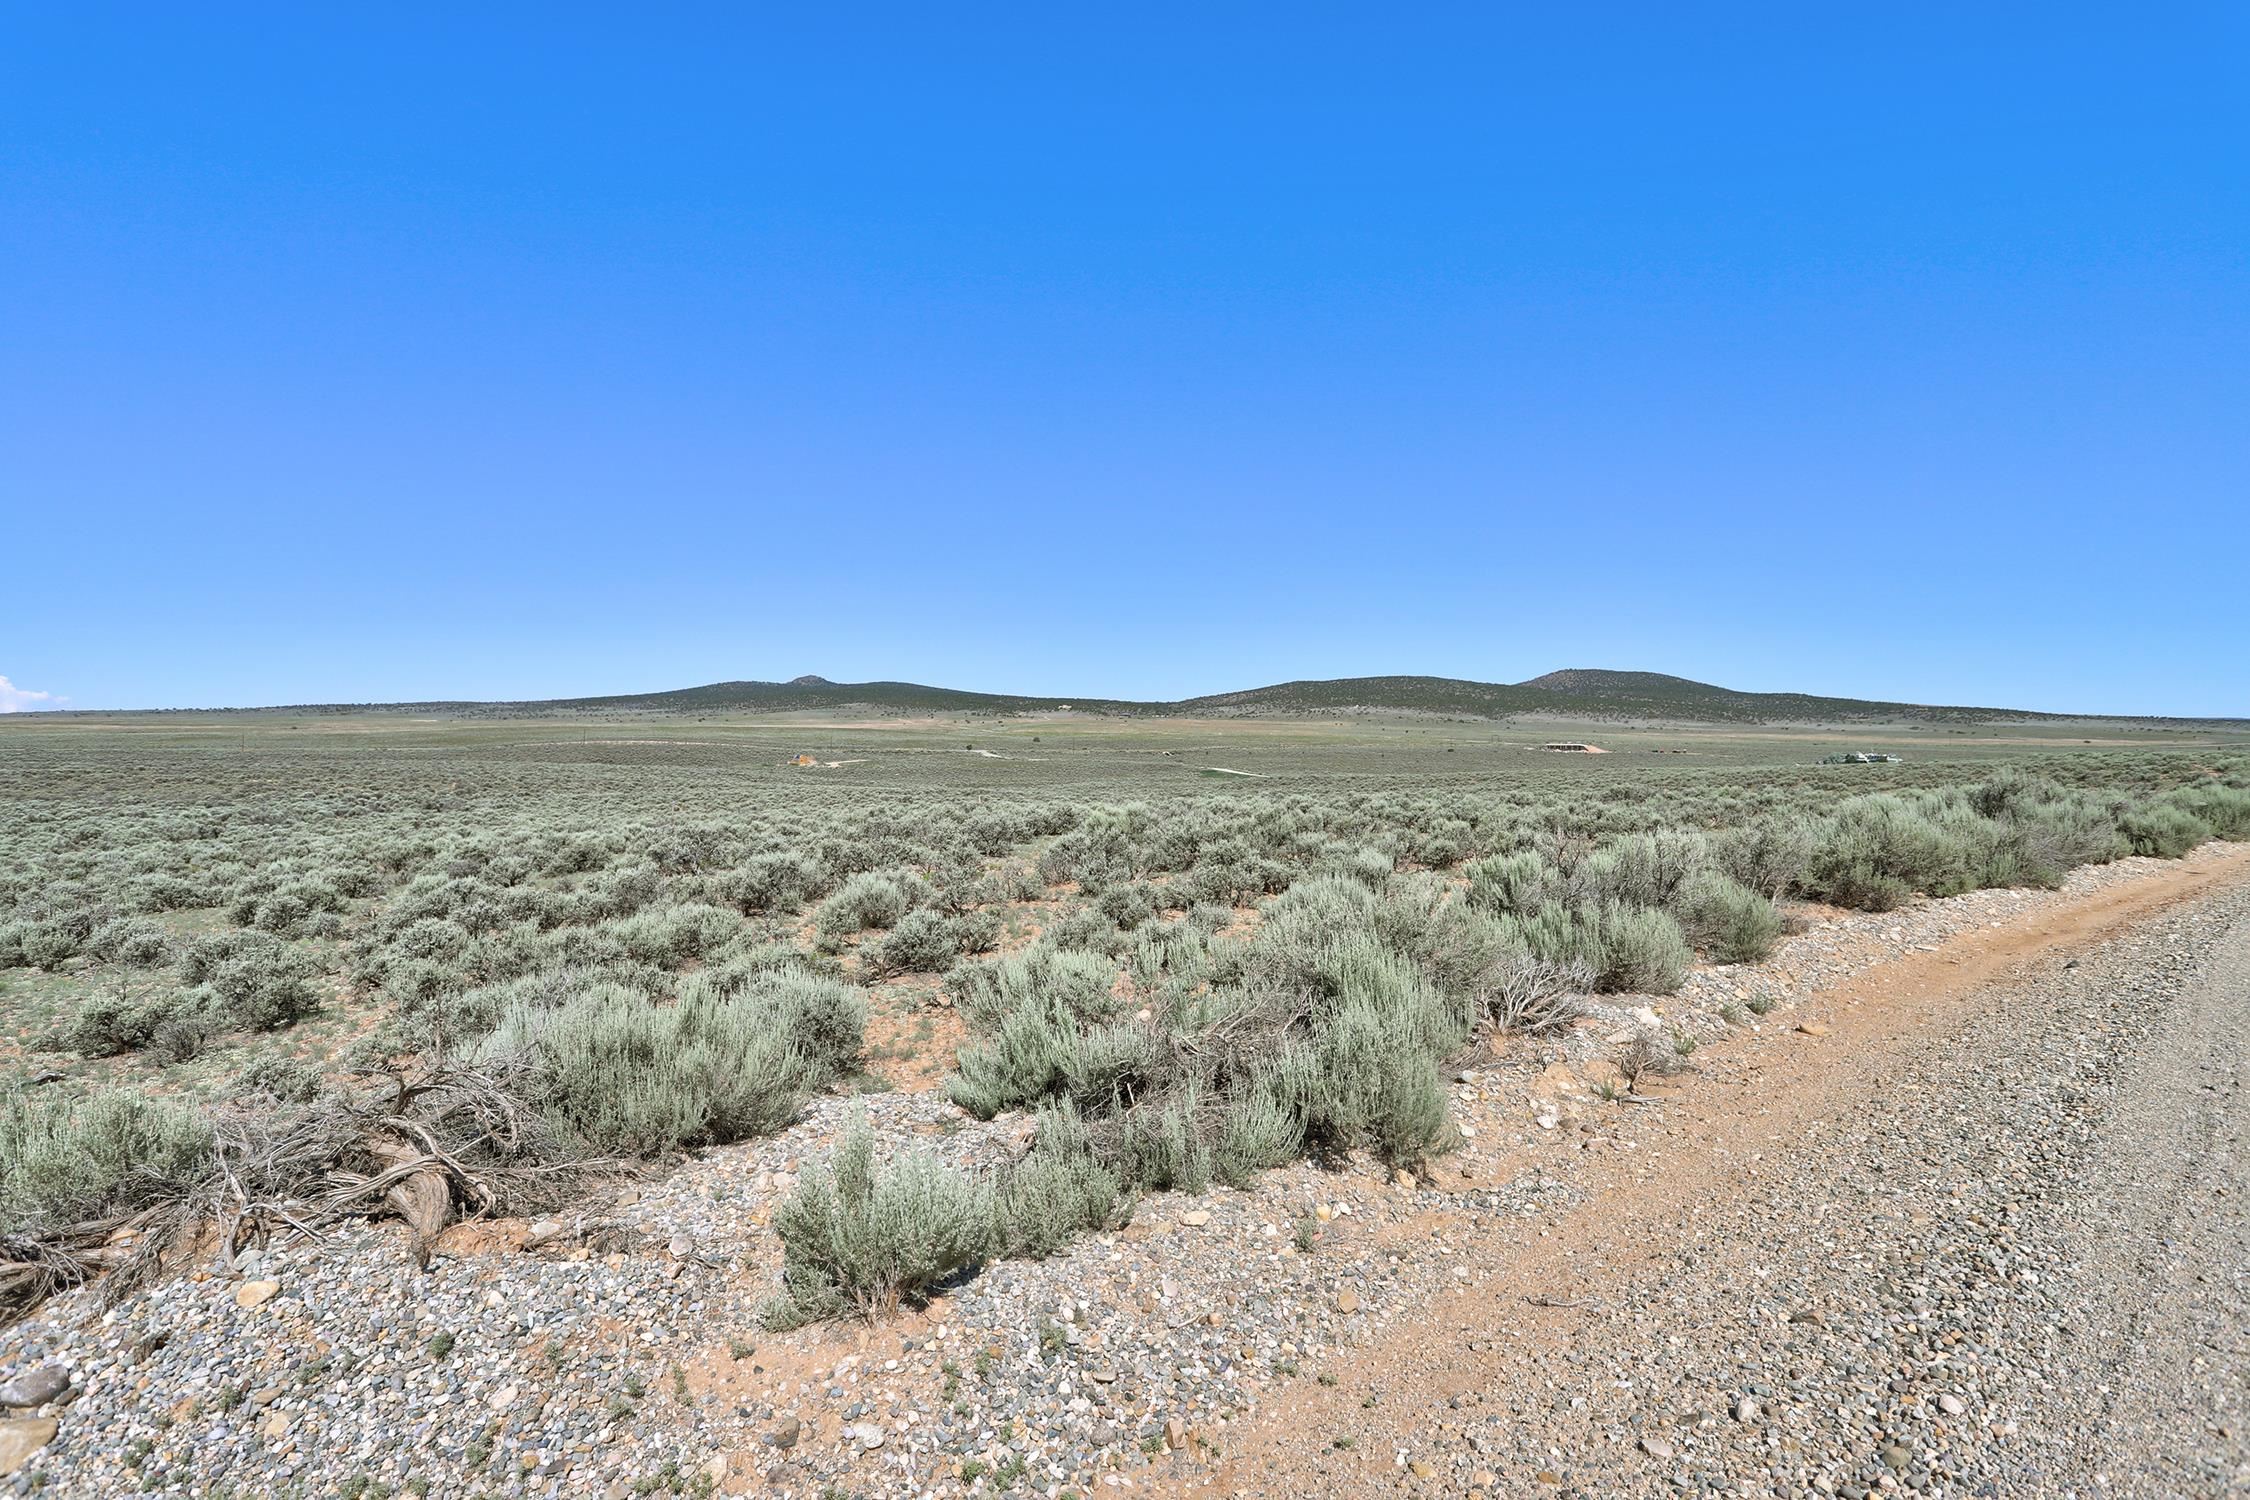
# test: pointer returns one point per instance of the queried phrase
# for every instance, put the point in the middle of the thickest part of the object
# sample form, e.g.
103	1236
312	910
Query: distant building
804	760
1574	747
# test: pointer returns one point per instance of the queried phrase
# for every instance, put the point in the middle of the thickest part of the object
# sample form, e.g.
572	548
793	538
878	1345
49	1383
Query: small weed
1307	1233
440	1345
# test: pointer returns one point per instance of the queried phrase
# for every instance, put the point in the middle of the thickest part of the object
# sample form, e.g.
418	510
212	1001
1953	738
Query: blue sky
395	352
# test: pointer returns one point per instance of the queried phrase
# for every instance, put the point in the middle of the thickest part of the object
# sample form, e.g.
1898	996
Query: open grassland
261	969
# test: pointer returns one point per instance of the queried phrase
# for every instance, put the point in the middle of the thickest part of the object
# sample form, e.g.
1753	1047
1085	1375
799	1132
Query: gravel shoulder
1983	1234
1919	1165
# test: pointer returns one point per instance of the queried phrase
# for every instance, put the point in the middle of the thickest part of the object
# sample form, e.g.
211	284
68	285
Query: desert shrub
134	942
1223	884
2011	792
1088	930
1370	867
1876	851
1256	1130
860	1240
2049	839
50	943
1642	950
669	936
1128	905
1728	920
182	1034
770	883
1163	1146
1109	1067
822	1017
1766	855
610	1070
253	980
1080	981
1625	947
1028	1056
1355	969
2163	829
1641	869
864	901
1209	917
924	942
2223	809
109	1024
269	1078
1018	881
570	854
1057	1191
978	931
1522	992
1167	951
450	1020
436	939
146	893
1360	1081
292	909
1096	854
1511	884
67	1160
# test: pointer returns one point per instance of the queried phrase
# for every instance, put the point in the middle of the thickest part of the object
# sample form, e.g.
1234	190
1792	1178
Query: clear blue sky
384	352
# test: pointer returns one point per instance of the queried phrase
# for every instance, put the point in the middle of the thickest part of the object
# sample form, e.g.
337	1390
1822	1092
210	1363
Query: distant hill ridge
1574	692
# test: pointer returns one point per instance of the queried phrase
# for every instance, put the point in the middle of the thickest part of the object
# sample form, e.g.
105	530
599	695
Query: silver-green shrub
860	1239
67	1160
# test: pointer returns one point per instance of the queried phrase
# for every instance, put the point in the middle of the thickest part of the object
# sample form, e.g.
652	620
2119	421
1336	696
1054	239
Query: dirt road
1978	1228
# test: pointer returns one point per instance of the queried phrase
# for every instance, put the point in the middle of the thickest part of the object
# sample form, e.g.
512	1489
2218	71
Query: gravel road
1984	1238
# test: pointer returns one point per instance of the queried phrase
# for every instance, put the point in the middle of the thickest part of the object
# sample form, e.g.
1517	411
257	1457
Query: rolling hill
1575	693
1592	693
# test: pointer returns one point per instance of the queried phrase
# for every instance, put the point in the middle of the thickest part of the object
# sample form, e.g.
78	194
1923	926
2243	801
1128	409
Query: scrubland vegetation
307	966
